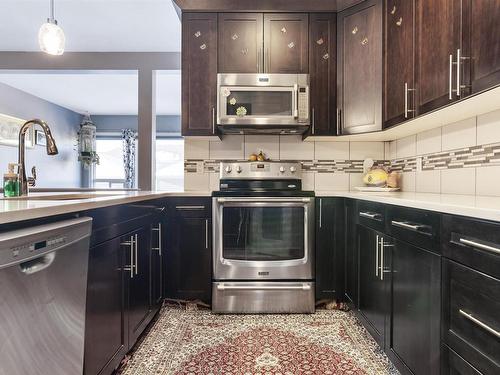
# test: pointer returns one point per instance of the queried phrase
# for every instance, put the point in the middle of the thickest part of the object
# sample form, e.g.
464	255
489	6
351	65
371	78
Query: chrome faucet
24	182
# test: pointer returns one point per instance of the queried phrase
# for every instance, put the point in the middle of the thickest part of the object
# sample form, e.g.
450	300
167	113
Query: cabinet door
199	73
416	310
139	291
351	254
399	82
372	293
240	42
359	87
323	72
437	40
286	43
329	248
105	334
189	257
481	44
157	263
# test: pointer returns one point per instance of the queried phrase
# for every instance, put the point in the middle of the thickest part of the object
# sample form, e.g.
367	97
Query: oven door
263	238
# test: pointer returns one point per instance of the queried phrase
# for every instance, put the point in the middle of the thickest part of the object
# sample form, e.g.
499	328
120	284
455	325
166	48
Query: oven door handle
264	287
257	200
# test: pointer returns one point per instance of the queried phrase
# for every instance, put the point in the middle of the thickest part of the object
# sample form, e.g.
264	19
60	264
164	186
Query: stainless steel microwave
263	103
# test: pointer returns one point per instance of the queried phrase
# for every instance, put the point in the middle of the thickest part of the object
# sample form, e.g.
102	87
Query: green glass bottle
11	186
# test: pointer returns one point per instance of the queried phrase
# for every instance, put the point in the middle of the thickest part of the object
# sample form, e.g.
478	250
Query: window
170	164
110	174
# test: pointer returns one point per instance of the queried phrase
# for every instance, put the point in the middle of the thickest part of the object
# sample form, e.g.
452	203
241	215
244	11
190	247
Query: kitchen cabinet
199	73
106	340
374	282
329	248
240	42
416	301
359	68
438	37
286	43
351	254
323	73
399	75
481	47
189	251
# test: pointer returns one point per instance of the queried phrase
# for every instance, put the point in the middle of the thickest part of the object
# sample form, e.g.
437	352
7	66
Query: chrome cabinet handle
450	78
267	66
313	121
320	213
382	259
414	227
159	238
189	208
132	266
213	120
206	234
263	287
376	256
370	215
491	249
484	326
459	61
136	264
339	127
407	110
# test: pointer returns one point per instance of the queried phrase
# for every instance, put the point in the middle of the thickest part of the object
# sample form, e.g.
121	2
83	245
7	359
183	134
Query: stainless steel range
263	255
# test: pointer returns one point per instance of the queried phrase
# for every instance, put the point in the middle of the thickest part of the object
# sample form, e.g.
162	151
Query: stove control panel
260	170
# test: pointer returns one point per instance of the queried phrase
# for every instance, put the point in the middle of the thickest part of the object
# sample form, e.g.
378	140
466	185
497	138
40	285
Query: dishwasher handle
38	264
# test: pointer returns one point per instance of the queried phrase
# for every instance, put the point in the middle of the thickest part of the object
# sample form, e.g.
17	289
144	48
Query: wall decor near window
40	138
9	131
129	136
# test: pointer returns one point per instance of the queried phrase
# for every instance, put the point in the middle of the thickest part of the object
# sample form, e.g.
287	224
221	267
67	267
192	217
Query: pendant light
50	36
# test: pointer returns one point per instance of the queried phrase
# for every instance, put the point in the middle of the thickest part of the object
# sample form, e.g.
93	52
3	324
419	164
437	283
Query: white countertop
12	210
475	206
481	207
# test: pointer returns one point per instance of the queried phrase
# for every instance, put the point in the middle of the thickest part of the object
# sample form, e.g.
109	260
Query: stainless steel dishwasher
43	285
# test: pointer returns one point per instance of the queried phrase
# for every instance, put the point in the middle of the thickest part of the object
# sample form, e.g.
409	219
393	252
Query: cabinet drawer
418	227
475	243
453	364
191	207
471	319
371	215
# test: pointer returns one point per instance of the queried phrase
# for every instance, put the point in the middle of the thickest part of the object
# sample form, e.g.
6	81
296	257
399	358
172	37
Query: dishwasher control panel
27	250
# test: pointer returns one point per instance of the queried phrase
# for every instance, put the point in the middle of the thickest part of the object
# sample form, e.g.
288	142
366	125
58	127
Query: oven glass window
263	233
259	103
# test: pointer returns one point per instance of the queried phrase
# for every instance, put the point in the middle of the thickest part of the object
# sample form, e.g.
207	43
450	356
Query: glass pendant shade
51	38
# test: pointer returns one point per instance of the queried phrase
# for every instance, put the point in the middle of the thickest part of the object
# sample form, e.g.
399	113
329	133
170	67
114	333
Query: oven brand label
264	273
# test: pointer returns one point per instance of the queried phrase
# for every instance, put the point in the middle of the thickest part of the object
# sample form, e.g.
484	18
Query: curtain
129	137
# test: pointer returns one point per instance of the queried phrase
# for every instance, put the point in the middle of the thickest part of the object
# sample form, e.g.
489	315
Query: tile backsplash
457	158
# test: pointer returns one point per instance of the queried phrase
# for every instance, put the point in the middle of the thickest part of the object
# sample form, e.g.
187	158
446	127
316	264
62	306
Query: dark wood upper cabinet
359	65
437	39
199	73
240	42
286	43
481	45
399	76
323	72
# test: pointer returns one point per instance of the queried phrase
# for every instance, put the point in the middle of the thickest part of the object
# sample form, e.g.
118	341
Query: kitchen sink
64	197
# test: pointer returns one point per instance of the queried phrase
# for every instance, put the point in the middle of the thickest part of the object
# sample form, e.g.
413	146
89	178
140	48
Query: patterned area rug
199	342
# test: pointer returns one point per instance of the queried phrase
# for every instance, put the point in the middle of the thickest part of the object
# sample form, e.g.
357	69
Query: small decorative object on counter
87	152
11	182
393	179
260	157
376	176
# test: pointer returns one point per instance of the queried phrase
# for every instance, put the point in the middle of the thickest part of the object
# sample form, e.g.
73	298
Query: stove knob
228	169
282	169
293	169
238	169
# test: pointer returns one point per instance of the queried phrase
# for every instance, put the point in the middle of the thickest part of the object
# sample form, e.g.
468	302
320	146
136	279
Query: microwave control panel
303	103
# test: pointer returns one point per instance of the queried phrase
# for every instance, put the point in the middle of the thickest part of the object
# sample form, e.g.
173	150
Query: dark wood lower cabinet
351	254
416	308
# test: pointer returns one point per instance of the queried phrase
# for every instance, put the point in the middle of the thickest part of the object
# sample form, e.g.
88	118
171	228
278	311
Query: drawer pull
480	246
414	227
480	323
370	215
189	208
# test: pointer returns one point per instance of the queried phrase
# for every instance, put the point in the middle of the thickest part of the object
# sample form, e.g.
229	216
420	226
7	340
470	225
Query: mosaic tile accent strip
200	343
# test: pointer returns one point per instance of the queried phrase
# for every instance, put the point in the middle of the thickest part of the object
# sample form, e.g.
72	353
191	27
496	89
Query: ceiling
94	25
99	93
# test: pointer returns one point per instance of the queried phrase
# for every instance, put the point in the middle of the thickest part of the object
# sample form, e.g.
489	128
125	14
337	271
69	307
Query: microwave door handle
295	100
